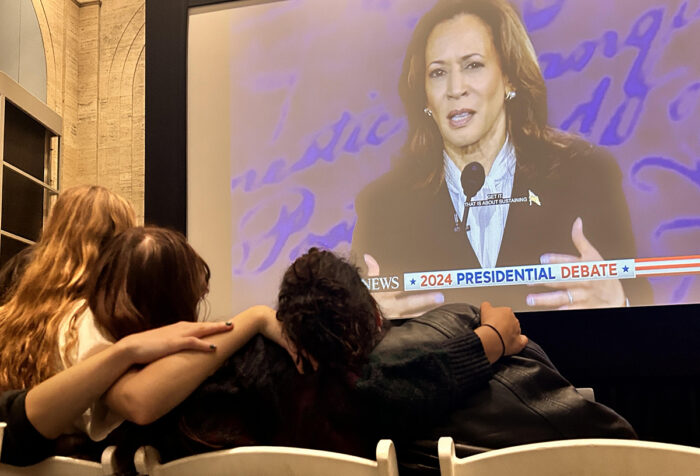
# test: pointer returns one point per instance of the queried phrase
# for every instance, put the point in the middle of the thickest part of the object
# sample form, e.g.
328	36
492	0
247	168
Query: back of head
258	397
147	277
83	219
80	223
327	311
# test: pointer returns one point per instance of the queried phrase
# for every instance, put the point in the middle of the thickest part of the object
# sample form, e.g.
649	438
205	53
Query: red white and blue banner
551	273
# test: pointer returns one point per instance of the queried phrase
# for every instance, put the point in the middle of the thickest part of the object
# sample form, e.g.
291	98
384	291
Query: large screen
302	132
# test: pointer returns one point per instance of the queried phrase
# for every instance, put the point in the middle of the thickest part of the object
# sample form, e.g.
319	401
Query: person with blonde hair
37	416
81	222
138	280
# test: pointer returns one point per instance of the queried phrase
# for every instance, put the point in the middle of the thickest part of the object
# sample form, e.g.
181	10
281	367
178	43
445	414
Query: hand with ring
578	294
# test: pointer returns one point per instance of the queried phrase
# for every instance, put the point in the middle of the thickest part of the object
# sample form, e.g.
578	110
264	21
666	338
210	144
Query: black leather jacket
428	377
526	401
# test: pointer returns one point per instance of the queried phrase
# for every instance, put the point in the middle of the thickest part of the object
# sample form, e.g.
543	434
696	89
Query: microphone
472	179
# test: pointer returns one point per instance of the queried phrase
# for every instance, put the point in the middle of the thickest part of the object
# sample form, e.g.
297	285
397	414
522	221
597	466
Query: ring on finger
570	296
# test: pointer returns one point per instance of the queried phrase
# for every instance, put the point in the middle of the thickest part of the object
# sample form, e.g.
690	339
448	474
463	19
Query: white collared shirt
486	224
98	420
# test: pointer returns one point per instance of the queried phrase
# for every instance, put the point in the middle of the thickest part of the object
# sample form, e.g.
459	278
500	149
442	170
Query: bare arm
500	332
144	395
54	404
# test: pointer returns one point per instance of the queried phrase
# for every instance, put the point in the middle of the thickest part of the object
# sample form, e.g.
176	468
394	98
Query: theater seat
64	466
587	393
270	461
584	457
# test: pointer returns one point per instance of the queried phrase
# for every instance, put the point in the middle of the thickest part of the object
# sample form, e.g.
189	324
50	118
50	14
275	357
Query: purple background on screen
316	116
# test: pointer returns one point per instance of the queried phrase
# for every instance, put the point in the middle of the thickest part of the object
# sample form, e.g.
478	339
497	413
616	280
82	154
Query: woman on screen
476	99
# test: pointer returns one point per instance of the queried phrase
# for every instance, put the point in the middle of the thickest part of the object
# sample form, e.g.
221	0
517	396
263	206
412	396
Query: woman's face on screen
464	84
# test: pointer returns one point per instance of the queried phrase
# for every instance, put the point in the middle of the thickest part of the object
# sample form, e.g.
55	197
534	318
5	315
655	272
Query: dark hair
147	277
526	112
12	271
327	311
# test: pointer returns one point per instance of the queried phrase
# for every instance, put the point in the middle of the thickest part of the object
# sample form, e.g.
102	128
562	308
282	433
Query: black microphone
472	179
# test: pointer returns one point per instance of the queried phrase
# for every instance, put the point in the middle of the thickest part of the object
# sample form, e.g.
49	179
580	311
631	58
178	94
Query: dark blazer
410	228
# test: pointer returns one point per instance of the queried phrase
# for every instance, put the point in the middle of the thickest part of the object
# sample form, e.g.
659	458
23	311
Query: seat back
270	461
585	457
587	392
2	432
55	466
64	466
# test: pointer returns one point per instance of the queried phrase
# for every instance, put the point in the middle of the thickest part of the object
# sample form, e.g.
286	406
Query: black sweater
418	373
22	444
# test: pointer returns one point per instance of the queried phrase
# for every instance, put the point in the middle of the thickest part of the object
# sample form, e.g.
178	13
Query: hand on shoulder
500	332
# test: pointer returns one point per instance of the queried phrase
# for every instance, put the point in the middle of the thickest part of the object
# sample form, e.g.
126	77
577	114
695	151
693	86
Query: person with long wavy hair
150	277
144	278
37	416
81	222
476	99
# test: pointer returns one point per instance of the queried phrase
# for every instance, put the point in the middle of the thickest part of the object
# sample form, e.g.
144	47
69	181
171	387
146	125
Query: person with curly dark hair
329	314
366	378
350	392
328	311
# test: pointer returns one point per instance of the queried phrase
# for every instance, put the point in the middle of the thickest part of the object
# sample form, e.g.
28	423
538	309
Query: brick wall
96	78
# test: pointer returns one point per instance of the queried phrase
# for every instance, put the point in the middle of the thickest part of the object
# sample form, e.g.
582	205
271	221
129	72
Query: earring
510	95
428	112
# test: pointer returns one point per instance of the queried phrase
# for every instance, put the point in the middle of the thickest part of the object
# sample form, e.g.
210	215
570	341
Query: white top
486	224
98	420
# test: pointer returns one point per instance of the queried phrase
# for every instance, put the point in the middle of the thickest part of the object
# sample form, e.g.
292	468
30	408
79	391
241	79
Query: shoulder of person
406	176
383	187
438	324
260	364
79	324
580	157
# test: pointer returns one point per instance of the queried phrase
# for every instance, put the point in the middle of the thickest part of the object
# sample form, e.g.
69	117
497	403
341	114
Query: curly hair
327	311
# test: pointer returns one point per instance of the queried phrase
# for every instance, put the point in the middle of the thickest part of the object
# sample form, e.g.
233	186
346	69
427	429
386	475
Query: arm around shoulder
144	395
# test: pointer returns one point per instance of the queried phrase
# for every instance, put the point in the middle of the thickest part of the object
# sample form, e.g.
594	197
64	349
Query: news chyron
534	274
383	283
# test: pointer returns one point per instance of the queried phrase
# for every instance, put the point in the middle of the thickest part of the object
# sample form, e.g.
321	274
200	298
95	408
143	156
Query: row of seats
585	457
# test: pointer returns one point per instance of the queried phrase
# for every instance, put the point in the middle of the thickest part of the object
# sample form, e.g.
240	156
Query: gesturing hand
400	303
579	294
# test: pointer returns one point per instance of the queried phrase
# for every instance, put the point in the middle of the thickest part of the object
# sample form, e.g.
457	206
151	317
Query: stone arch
22	46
